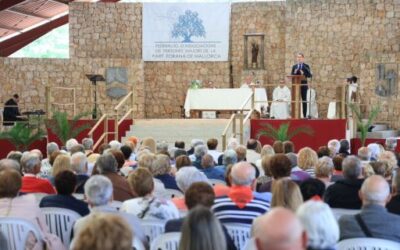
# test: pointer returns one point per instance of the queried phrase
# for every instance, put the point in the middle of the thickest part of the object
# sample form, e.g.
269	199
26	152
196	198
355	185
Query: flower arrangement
195	84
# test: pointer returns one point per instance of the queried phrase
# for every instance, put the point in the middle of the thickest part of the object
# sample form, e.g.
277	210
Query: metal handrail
246	101
123	101
102	118
127	113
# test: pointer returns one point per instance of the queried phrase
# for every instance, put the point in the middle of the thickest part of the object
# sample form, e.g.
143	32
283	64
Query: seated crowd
288	199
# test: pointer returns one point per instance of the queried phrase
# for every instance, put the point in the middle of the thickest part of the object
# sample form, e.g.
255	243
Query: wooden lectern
296	95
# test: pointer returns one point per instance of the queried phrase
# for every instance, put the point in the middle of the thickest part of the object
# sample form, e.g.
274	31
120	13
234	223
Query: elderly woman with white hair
320	224
199	152
184	178
375	151
334	146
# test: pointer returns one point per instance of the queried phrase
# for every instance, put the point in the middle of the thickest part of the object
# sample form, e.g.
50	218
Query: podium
296	96
94	79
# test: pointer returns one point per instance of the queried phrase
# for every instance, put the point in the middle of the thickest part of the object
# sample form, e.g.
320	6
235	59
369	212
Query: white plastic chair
338	212
217	181
16	232
116	204
137	244
79	196
173	193
152	228
167	241
39	196
250	244
240	233
60	222
367	244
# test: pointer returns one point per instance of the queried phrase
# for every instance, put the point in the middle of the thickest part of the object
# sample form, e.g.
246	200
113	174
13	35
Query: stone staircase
171	130
382	131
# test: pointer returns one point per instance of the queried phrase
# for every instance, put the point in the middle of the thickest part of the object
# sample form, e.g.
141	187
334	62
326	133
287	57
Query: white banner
185	31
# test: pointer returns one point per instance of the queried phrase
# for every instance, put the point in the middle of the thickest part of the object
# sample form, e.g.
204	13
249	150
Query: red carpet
324	130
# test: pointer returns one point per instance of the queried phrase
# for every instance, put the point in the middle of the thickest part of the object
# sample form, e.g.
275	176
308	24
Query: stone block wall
267	18
338	36
166	84
29	77
105	30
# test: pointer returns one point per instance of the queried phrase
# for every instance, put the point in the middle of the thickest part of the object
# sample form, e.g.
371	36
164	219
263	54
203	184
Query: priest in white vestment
312	107
281	98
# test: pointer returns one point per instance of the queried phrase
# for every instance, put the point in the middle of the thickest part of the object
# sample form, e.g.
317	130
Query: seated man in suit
65	182
374	220
11	111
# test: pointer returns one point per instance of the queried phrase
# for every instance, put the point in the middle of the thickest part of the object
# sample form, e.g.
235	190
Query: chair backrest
338	212
250	244
173	193
116	204
367	244
60	222
167	241
217	181
16	232
79	196
240	233
39	196
137	244
152	228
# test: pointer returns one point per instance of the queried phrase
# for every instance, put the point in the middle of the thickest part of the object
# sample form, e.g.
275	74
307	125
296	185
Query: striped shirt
228	212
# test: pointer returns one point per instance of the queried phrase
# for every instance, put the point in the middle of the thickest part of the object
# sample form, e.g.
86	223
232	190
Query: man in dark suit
11	111
300	68
374	221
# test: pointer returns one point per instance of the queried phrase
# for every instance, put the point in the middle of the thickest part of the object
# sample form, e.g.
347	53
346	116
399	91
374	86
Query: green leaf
283	133
66	129
22	136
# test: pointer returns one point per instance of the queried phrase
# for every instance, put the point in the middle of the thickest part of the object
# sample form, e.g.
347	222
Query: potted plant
66	129
22	136
284	132
364	124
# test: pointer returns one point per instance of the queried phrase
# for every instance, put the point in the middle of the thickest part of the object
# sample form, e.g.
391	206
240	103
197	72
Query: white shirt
281	97
151	208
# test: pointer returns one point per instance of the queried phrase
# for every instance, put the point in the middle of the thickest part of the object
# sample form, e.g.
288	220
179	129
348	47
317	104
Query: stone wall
266	18
338	37
105	30
29	77
167	83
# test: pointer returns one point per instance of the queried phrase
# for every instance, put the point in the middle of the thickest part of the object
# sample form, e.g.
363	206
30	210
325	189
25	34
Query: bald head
375	190
243	174
279	229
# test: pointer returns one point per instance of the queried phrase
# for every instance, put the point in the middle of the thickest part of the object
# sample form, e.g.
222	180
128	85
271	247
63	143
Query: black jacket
344	194
10	113
306	71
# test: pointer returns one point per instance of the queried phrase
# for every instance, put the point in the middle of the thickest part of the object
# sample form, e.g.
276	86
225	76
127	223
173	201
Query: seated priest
312	107
281	97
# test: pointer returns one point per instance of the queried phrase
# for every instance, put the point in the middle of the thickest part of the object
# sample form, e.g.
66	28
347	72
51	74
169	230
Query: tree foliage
284	132
22	136
66	129
364	126
188	25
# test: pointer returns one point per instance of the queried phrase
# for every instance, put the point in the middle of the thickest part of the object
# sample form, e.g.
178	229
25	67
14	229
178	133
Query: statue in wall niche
254	54
116	76
386	80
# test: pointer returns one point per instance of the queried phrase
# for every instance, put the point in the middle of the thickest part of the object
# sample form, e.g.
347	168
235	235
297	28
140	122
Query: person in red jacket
30	164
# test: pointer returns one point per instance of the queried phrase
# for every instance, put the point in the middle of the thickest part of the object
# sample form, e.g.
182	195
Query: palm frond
268	131
66	129
300	130
22	136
